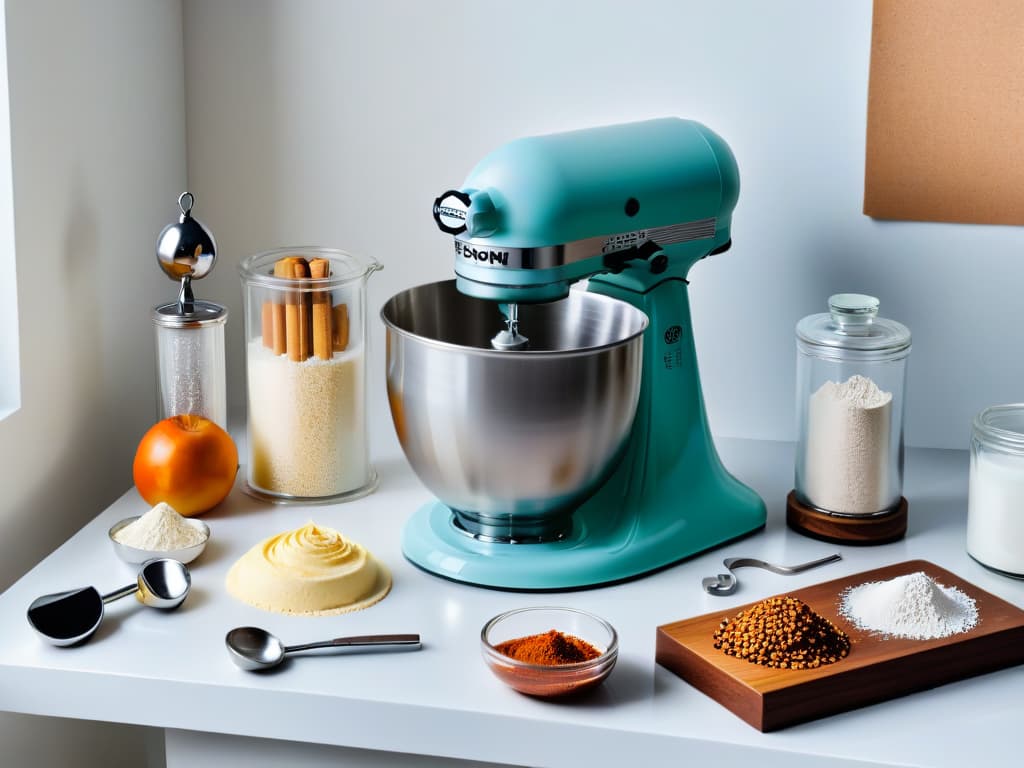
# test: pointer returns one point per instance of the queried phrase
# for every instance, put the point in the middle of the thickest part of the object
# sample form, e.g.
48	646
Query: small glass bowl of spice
549	652
161	532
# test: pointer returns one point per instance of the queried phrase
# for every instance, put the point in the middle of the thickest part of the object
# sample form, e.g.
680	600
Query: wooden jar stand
883	528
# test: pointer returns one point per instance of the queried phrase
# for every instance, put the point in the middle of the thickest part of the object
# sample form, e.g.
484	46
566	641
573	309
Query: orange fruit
186	461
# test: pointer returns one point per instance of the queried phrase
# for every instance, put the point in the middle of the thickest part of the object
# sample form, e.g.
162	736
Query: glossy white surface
172	670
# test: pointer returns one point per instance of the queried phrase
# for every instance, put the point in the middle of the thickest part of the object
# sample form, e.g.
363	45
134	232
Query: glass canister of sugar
851	380
306	336
995	498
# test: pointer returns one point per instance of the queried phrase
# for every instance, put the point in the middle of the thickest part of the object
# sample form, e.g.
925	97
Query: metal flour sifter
189	332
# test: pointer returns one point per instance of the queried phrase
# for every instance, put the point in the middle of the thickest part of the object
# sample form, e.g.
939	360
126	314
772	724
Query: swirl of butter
310	570
311	549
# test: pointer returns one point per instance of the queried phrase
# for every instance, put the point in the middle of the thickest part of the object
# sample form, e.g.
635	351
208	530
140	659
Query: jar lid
852	324
203	313
1002	426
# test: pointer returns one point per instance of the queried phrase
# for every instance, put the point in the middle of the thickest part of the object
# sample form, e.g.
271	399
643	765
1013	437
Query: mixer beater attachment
510	338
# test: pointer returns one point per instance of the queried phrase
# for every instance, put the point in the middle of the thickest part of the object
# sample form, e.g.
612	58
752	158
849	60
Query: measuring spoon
68	618
726	583
255	649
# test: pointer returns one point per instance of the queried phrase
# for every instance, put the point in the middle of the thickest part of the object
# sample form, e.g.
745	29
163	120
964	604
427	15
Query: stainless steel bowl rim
553	353
610	651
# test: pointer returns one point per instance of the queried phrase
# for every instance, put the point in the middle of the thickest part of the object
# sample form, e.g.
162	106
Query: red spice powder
551	647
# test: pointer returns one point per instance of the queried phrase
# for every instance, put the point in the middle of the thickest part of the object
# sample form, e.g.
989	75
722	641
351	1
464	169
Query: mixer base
584	558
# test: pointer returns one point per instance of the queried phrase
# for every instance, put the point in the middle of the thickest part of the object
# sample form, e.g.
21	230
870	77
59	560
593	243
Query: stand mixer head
629	208
541	213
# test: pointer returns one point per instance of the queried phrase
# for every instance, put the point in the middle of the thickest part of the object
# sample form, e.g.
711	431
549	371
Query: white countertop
172	670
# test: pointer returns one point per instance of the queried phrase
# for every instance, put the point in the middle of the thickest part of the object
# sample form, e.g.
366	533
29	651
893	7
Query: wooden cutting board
875	670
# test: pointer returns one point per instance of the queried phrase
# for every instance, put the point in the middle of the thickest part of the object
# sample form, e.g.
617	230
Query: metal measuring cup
69	618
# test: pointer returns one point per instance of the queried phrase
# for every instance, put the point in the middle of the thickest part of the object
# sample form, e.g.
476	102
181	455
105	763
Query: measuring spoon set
72	617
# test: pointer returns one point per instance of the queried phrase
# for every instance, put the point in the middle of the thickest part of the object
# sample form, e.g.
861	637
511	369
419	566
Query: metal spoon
726	583
68	618
255	649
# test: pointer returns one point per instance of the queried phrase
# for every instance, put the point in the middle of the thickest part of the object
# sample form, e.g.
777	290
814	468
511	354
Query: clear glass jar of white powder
995	499
851	379
305	331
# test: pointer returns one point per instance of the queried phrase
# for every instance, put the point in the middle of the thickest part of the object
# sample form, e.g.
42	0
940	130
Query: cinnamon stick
323	344
296	317
339	335
267	322
279	331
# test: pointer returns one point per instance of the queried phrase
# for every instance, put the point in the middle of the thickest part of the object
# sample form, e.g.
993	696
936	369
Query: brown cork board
945	126
877	668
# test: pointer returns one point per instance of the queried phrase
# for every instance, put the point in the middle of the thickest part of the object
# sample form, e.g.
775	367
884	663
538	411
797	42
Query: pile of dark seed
782	632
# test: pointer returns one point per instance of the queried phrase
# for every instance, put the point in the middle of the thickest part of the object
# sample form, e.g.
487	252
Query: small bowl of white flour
161	532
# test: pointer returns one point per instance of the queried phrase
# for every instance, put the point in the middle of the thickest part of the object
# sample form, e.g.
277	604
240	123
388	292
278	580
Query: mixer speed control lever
617	261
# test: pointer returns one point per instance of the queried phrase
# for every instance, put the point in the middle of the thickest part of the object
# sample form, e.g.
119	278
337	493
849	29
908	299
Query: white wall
338	123
98	150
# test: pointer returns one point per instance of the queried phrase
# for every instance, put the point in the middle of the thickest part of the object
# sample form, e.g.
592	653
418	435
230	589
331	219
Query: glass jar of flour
851	379
305	332
995	500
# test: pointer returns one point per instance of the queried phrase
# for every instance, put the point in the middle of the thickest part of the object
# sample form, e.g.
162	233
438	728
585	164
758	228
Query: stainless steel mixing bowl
512	441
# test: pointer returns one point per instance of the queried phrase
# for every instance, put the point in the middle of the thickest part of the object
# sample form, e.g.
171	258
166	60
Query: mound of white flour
161	529
914	606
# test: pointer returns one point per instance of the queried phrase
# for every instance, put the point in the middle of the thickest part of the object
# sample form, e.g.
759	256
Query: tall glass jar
851	380
995	499
305	331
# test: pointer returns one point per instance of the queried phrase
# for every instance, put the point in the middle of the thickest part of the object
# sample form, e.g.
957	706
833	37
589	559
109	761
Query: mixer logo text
451	213
480	254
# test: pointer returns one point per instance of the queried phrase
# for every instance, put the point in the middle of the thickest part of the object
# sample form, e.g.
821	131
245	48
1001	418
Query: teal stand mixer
563	431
